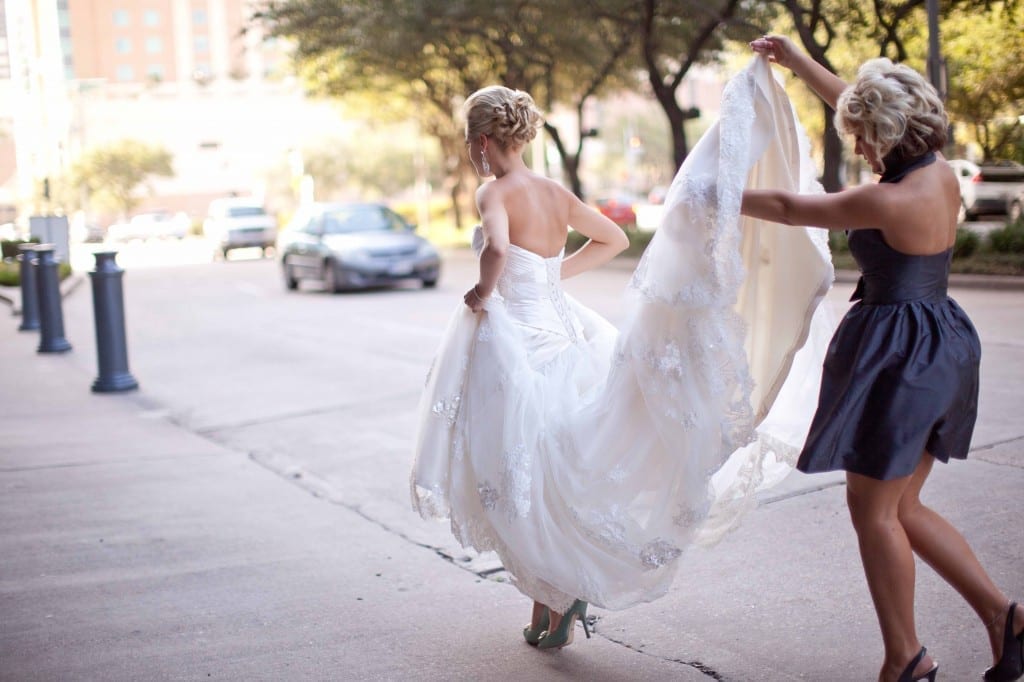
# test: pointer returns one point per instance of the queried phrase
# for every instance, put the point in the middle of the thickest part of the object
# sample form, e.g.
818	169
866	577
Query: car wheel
290	282
1014	211
331	283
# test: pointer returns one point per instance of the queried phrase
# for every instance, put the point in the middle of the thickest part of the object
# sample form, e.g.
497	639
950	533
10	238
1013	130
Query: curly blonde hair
507	116
893	109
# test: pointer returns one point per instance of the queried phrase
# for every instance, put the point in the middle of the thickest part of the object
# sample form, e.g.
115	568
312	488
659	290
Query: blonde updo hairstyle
893	109
509	117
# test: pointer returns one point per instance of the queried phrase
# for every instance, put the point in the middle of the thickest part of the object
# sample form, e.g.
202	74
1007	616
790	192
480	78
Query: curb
956	280
12	295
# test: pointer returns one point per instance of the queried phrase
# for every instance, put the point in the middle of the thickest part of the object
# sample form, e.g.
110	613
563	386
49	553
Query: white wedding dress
588	457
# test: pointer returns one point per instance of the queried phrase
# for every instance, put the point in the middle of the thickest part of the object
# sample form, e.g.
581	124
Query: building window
123	45
120	17
154	45
125	73
199	17
201	44
151	17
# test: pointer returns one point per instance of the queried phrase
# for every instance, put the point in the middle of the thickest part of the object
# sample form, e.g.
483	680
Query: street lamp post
936	65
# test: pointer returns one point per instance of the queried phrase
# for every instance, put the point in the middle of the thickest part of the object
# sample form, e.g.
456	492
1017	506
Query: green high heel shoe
562	635
532	634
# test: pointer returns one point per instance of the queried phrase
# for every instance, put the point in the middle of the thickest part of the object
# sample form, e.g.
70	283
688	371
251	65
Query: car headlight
426	250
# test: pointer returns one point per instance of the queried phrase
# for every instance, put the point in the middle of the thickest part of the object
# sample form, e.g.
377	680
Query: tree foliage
436	52
113	174
845	32
675	35
985	62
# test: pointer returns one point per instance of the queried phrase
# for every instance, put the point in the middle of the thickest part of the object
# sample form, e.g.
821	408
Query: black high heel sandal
1011	664
908	673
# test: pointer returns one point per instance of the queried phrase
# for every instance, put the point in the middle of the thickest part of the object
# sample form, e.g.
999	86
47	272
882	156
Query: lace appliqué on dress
448	409
515	480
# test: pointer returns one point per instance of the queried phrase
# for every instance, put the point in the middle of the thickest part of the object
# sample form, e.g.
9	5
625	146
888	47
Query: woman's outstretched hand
778	49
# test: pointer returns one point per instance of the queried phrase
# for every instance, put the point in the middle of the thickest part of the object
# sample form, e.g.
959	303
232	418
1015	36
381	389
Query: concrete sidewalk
133	548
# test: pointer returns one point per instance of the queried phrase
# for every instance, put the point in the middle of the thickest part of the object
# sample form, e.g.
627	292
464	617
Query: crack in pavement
978	449
210	429
320	489
696	665
995	444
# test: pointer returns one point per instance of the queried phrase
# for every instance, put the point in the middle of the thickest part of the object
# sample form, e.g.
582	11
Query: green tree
435	52
985	65
398	160
112	175
675	35
845	32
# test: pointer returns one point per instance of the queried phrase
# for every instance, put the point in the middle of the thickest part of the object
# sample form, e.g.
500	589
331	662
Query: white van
239	223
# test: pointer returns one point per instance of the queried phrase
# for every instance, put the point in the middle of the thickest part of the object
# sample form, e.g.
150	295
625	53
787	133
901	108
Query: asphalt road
322	390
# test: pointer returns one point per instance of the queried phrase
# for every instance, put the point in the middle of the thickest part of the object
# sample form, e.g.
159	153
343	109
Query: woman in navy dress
900	381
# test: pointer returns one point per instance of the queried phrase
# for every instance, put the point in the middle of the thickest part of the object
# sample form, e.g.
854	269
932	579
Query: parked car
239	223
989	188
151	225
84	230
353	246
1016	207
618	207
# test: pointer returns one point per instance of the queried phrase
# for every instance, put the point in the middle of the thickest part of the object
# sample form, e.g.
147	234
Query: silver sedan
354	246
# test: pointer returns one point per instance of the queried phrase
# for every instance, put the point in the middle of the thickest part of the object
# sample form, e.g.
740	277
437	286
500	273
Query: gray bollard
108	309
51	318
29	295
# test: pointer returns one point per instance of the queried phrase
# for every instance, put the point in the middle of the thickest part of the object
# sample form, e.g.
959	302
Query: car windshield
357	219
245	211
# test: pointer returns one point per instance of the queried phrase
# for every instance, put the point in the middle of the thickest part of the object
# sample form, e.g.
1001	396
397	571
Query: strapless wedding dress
590	457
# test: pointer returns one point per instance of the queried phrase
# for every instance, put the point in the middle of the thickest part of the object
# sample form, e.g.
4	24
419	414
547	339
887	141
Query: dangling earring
484	164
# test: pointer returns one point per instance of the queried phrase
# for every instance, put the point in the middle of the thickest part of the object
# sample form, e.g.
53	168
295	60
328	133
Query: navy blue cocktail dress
901	374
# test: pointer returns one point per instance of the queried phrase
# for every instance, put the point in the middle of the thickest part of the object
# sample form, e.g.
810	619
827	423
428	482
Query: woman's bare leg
537	616
943	548
888	562
556	618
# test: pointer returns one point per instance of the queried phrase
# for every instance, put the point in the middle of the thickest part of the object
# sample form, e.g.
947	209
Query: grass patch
1001	252
10	273
638	241
979	263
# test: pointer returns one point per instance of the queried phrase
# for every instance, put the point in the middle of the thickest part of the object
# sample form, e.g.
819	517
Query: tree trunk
831	178
680	145
571	163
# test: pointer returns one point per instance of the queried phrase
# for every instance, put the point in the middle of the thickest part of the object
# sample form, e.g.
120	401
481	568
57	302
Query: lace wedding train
590	458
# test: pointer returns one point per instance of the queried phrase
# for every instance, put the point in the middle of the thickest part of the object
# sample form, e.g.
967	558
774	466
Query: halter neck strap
896	167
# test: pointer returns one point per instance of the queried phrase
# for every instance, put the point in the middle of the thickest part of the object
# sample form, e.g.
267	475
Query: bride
588	457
